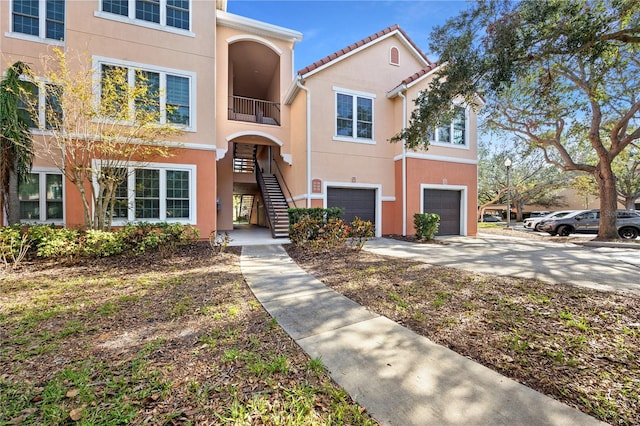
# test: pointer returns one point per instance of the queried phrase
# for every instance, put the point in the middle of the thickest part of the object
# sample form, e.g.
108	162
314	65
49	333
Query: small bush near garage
323	229
426	225
48	242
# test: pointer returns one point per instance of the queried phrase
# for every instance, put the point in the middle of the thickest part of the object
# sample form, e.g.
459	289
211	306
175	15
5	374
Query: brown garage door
354	201
447	204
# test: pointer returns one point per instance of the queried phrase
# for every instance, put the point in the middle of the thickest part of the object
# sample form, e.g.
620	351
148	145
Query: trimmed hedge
47	241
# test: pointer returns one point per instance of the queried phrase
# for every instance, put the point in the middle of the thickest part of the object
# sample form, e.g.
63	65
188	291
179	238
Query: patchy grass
577	345
154	340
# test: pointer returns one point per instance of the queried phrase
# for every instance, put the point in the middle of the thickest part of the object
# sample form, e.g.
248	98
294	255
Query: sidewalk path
401	378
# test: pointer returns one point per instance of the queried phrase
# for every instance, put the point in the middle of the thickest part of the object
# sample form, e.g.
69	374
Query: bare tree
97	124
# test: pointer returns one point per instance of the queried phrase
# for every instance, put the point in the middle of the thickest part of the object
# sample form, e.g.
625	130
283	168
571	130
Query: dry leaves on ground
578	345
153	340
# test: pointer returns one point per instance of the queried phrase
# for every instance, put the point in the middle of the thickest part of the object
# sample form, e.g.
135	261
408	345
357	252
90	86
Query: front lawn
174	339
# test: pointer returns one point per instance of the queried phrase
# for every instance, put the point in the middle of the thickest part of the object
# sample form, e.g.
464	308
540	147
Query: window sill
35	39
449	145
354	140
142	23
123	222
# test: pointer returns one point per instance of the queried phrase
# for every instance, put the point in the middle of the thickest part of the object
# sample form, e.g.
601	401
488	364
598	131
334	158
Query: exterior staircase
276	204
244	158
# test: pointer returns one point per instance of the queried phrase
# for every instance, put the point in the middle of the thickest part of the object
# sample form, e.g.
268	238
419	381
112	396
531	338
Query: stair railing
280	178
271	212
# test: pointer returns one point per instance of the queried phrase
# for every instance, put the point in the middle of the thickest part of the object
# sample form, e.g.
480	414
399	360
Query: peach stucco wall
442	175
90	34
205	189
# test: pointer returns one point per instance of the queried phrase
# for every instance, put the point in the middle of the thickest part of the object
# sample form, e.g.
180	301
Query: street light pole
507	164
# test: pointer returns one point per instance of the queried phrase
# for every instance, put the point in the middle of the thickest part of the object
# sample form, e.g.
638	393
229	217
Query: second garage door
446	203
354	201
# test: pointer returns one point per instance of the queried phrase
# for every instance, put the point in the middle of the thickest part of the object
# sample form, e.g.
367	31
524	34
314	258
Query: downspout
308	96
404	166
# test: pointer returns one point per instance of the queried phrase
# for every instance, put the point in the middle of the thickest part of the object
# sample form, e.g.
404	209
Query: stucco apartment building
258	136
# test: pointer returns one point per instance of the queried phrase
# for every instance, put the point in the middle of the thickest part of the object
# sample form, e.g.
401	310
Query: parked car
588	221
490	218
533	222
539	213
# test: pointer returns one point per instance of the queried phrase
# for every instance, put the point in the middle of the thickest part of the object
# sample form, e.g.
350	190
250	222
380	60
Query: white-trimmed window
173	89
40	197
157	192
354	116
49	110
165	13
40	19
454	132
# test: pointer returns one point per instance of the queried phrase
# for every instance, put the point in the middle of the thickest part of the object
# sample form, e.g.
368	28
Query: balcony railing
254	110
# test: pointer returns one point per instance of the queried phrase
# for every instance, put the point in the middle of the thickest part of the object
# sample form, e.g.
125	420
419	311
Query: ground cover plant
162	337
577	345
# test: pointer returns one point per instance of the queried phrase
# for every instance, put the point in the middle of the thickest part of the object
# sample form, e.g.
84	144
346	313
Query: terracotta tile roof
413	77
360	43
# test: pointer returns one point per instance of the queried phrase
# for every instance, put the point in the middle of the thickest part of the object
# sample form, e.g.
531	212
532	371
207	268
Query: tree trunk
13	201
630	203
608	202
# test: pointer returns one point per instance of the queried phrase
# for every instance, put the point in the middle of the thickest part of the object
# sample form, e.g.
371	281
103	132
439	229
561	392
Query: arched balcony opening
254	83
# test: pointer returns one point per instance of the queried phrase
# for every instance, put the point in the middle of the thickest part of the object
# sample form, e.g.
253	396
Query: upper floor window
40	196
40	105
168	94
39	18
453	132
171	13
354	116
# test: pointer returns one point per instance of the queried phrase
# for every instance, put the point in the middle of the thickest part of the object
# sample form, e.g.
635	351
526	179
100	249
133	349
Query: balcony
254	110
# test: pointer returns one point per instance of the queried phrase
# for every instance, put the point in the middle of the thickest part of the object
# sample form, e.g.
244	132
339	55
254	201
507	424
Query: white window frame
355	95
42	199
42	26
41	84
131	19
98	61
163	168
450	144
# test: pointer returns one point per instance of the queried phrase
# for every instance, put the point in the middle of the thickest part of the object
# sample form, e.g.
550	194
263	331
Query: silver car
534	222
588	221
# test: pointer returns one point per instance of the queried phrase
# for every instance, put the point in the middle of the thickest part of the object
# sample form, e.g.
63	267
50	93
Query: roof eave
237	22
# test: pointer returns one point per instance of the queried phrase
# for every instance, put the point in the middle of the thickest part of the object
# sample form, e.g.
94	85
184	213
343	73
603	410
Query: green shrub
14	245
323	229
305	229
332	234
139	237
426	225
360	231
102	243
54	242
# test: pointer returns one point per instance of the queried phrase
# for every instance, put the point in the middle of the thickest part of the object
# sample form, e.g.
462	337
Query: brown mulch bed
577	345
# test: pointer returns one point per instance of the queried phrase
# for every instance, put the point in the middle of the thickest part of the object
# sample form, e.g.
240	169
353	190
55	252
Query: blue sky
330	25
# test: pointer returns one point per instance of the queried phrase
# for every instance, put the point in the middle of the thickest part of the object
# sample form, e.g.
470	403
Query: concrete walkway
401	378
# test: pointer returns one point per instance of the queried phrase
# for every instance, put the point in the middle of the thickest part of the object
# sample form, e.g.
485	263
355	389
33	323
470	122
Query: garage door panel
354	202
445	203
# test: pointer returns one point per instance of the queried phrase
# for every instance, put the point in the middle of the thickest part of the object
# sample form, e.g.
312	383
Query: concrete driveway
602	268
